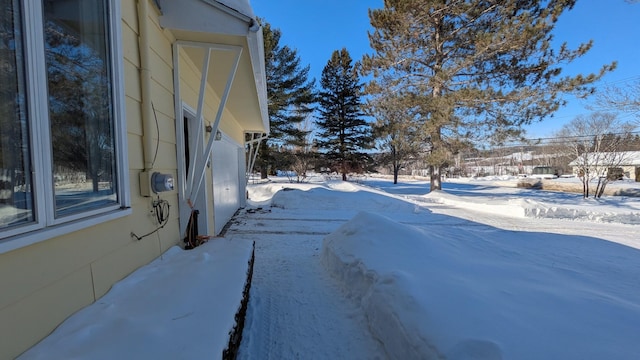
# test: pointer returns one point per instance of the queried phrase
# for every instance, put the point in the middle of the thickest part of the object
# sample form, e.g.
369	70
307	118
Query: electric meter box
155	182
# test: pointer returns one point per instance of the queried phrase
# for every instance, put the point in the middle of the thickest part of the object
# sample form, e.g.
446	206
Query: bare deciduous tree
303	152
594	141
620	98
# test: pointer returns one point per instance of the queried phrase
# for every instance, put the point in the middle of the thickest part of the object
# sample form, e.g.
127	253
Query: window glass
80	104
16	195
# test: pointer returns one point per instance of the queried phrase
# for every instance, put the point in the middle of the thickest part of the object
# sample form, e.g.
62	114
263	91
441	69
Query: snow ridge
391	295
533	209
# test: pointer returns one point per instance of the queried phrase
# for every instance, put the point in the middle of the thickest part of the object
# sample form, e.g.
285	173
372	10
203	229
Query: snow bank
596	210
427	294
180	306
582	213
263	194
498	207
392	309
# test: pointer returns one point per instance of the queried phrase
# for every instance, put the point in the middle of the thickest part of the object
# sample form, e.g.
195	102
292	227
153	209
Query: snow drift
464	295
180	306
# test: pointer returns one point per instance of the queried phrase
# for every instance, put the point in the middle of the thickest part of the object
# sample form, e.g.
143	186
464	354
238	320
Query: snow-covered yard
372	270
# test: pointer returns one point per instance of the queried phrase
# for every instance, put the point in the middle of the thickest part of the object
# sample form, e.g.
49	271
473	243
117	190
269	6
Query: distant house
120	121
626	163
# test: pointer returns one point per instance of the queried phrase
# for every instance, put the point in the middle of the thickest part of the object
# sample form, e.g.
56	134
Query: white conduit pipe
148	129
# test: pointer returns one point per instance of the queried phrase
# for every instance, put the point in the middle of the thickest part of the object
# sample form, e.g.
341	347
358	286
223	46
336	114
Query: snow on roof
241	6
619	158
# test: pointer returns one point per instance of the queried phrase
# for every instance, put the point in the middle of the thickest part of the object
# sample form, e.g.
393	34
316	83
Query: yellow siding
115	266
136	161
134	120
134	184
132	81
161	42
163	104
167	125
49	261
189	81
129	12
162	75
37	315
168	239
130	43
44	283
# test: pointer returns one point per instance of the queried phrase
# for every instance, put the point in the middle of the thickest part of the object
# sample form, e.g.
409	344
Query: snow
174	308
241	6
376	270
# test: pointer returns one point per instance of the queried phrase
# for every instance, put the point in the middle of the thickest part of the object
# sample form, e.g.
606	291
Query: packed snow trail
296	310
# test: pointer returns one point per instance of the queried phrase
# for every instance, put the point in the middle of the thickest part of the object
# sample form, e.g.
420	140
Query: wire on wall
161	210
157	133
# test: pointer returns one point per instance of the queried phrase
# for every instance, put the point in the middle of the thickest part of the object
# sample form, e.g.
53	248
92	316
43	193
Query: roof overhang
226	22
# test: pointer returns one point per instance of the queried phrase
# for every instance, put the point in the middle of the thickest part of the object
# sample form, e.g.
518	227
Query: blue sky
318	27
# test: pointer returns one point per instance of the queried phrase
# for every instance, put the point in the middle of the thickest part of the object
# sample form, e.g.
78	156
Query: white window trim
46	226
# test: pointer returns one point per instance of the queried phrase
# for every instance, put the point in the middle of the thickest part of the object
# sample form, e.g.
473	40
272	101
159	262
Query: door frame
200	200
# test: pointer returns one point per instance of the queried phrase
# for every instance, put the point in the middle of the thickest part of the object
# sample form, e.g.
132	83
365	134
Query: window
60	113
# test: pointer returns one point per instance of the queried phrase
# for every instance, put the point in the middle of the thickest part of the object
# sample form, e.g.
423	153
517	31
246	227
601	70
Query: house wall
44	283
630	171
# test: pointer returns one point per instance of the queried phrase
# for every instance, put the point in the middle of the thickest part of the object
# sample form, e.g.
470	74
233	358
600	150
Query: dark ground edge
235	336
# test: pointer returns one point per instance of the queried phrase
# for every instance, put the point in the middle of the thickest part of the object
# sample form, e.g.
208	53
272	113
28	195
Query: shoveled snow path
293	299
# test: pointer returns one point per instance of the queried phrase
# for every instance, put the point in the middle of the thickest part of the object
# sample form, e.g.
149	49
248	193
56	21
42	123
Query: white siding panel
226	182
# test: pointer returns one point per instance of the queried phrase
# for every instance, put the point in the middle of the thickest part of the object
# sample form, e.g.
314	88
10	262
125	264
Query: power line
561	139
624	80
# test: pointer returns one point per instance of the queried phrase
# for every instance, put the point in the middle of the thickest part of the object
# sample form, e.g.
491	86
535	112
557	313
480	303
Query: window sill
34	237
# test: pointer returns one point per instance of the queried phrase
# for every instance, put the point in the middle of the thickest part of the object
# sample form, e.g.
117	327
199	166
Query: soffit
200	21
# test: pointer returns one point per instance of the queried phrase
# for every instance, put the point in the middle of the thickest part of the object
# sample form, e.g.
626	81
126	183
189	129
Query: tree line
443	76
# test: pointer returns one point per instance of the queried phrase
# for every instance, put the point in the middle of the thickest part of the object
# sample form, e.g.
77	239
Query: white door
226	181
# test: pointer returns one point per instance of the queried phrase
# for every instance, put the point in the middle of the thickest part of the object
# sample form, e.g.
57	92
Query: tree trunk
602	184
263	155
438	114
396	169
585	186
435	178
396	165
95	183
344	167
436	169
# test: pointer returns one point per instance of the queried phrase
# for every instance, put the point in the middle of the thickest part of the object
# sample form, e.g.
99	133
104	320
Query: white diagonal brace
202	164
195	155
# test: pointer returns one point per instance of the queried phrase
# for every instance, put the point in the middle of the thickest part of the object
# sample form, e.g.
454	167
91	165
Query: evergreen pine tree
289	93
472	68
343	133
